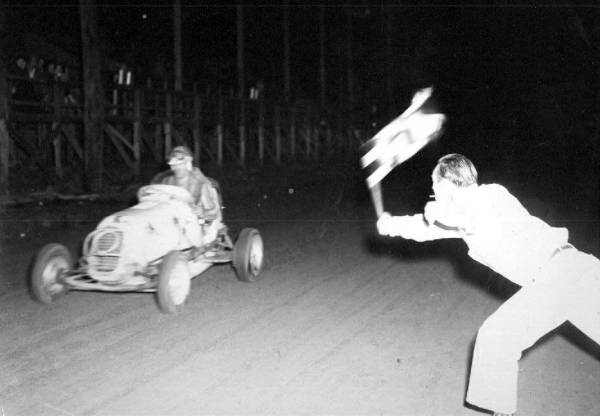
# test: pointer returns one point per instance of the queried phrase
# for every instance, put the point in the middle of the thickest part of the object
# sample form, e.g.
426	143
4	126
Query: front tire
174	282
248	254
51	262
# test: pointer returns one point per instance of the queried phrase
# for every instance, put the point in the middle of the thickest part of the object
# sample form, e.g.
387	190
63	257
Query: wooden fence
142	125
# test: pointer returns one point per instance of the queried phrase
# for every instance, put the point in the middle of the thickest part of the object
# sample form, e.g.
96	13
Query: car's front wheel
248	255
174	281
50	264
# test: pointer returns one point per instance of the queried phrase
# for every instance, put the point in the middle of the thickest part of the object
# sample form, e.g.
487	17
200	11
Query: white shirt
507	238
499	232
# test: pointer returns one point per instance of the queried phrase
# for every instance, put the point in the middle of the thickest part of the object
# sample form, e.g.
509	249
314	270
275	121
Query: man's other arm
414	227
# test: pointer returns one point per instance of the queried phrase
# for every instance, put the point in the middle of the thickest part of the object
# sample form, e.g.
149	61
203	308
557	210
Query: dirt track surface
341	323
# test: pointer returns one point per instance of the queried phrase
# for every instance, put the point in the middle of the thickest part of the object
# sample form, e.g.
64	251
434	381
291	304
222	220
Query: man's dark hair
457	169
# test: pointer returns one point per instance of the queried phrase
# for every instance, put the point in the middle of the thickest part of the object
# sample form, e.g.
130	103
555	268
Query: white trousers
566	289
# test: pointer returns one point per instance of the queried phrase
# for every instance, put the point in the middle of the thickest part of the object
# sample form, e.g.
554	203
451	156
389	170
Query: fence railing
142	125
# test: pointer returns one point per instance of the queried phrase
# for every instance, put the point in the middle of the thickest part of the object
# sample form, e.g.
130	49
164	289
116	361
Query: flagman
558	282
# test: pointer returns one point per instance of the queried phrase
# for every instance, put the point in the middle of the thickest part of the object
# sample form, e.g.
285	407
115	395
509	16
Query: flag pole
377	198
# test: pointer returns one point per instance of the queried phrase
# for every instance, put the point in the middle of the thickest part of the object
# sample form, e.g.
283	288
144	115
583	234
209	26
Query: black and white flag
401	138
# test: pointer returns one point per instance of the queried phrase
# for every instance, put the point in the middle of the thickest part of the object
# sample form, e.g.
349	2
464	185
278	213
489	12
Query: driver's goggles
177	158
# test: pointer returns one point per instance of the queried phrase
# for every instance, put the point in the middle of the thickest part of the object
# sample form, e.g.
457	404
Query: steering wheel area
164	192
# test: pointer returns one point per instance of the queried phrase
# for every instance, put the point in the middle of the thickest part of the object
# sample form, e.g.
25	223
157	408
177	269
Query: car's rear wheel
248	254
174	281
50	264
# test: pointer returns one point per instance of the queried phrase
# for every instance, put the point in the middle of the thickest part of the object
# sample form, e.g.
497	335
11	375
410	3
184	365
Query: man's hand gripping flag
399	141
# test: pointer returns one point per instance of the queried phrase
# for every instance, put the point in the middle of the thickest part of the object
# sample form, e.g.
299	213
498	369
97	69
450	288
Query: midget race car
157	245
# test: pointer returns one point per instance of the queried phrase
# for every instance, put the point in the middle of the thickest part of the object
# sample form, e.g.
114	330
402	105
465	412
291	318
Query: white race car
157	245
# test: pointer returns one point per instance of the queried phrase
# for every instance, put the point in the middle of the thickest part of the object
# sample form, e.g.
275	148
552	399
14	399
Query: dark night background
518	81
342	321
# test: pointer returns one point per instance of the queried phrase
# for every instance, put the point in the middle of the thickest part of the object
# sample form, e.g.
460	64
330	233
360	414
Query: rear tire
174	282
51	262
248	255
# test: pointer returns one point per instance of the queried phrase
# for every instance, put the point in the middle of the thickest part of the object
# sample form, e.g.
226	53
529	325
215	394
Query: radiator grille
108	242
103	264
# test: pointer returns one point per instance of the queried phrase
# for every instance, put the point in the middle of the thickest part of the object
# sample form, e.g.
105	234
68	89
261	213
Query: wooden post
57	143
351	138
389	58
93	113
42	143
115	102
220	130
292	133
158	150
241	76
242	131
157	145
329	141
316	139
168	123
286	52
68	131
4	136
261	130
307	132
197	127
350	58
177	43
240	50
137	130
277	123
340	134
322	80
4	143
350	81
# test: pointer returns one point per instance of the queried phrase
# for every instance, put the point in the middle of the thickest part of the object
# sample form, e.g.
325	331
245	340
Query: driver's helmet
179	154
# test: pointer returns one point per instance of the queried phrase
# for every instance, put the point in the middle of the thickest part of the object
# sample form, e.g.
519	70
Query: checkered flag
399	141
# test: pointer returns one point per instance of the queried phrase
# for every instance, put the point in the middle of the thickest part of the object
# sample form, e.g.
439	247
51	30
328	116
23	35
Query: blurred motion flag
401	138
399	141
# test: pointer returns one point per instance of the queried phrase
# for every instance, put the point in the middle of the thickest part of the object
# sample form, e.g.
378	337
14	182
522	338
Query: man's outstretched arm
414	227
